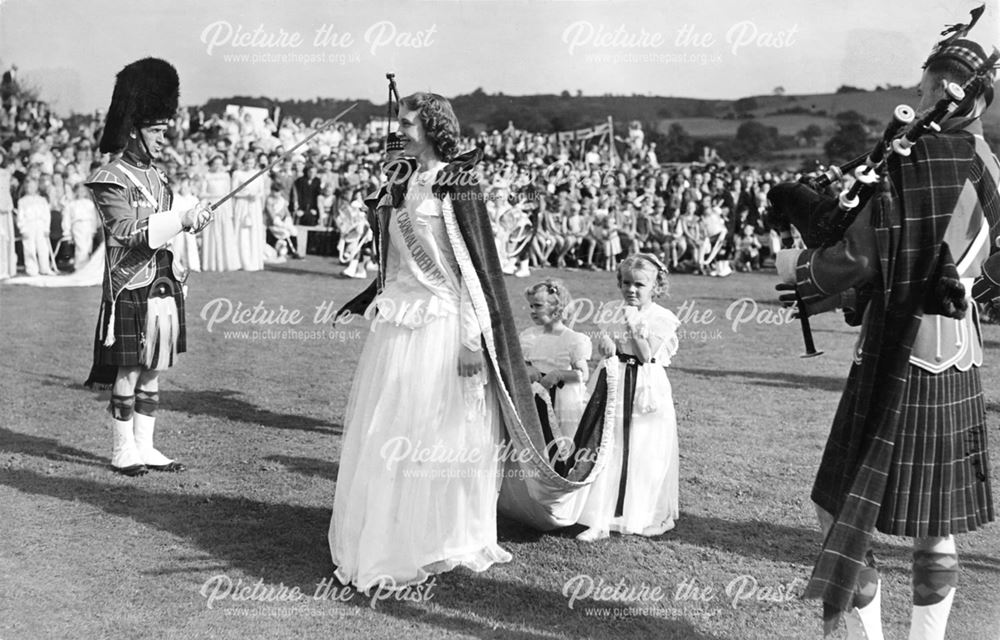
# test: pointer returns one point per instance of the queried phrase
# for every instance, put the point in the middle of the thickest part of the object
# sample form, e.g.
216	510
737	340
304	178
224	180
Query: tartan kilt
938	480
130	327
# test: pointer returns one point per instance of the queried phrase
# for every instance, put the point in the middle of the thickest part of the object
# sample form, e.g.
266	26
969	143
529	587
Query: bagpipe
822	219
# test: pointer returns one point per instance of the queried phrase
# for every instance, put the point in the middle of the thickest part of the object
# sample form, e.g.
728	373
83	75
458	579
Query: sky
722	49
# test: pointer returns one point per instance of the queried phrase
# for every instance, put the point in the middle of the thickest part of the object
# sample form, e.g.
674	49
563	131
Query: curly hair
439	121
557	294
650	264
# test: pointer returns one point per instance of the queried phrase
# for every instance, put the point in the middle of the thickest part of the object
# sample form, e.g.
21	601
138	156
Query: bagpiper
908	454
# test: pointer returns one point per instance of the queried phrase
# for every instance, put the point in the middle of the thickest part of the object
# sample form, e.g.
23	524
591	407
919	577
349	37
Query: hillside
707	121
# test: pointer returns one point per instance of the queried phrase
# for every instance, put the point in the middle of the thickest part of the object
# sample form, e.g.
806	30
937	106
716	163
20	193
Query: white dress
248	213
557	352
650	504
419	472
8	250
80	222
219	251
34	217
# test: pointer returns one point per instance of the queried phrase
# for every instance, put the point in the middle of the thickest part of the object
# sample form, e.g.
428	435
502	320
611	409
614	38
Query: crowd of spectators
560	203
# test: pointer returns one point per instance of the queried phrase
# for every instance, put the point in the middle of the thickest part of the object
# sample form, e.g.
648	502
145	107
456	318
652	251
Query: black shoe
132	471
171	467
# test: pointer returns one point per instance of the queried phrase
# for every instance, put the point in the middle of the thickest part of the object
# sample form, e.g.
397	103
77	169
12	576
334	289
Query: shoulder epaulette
108	174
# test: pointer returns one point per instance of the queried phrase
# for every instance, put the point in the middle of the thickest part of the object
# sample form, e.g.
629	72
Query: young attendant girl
555	354
637	492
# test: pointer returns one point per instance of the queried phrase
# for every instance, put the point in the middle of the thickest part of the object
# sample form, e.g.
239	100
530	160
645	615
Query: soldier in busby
140	327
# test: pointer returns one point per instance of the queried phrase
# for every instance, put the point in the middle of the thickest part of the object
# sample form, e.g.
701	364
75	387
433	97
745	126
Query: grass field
87	554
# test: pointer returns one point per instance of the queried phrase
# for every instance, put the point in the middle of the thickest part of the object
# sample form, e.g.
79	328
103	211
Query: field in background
87	554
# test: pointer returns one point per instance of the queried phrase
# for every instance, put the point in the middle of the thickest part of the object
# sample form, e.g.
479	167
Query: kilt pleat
939	479
130	324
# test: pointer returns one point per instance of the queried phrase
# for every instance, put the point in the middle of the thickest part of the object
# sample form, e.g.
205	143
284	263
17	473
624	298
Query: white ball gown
419	473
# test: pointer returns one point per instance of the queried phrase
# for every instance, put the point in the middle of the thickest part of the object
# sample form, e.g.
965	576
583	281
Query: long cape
534	491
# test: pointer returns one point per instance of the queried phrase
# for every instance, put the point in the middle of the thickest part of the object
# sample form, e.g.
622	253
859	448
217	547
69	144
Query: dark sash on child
628	398
547	433
592	421
546	415
417	250
552	391
589	433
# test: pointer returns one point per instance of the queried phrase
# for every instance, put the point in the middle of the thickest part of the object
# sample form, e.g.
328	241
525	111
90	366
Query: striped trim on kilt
939	479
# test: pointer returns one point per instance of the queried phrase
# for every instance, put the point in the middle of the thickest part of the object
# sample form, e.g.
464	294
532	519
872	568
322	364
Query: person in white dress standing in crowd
80	224
8	251
281	232
219	251
185	245
437	363
637	492
248	214
556	355
34	217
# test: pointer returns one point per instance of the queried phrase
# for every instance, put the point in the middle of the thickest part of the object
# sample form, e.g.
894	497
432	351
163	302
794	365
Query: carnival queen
436	367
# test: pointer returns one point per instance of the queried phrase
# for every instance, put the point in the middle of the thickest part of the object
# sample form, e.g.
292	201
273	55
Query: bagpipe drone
823	219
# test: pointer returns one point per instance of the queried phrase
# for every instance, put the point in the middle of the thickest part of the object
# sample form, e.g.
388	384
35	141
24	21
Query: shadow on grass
324	469
287	543
63	382
771	378
513	531
751	538
517	532
49	448
277	542
979	561
535	613
226	403
991	344
221	403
